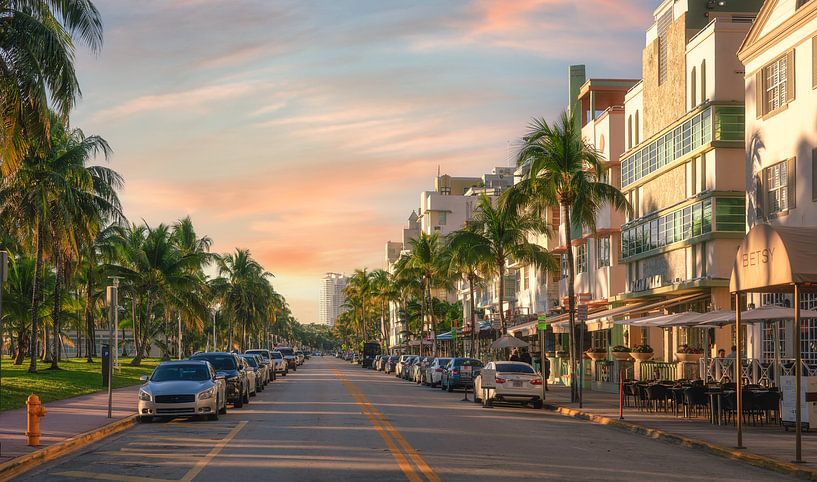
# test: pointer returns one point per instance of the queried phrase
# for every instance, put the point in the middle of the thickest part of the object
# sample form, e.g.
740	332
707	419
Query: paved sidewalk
767	441
65	419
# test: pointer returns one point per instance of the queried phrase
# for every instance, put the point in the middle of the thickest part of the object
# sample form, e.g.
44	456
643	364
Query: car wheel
145	419
246	395
254	391
240	402
538	404
223	410
213	416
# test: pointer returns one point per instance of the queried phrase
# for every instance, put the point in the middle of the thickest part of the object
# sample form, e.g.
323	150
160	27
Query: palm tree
468	260
562	169
359	291
385	292
244	289
37	66
498	236
54	199
155	271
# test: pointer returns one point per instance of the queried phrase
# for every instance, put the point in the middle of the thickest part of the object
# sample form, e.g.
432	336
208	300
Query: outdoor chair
695	399
630	394
767	403
658	395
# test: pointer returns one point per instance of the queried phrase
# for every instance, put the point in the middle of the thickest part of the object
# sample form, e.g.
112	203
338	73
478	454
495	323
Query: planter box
596	356
688	357
621	355
642	356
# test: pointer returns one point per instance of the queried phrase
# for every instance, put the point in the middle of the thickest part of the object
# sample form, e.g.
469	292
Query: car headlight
144	396
207	393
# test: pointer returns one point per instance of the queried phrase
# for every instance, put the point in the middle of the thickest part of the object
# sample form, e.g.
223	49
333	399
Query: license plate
517	384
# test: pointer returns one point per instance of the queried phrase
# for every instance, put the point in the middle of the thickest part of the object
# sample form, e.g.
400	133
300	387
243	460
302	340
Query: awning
773	258
644	306
764	313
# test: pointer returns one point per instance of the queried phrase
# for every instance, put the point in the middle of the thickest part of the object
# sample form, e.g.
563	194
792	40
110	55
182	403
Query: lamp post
179	349
113	316
214	331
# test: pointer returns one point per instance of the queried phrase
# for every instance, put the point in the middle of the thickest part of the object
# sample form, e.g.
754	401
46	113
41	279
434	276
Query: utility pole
113	317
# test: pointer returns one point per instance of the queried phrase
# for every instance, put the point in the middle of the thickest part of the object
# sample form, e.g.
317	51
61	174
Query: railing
651	370
608	371
752	370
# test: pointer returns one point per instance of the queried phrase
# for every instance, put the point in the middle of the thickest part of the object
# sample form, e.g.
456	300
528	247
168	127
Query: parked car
266	357
434	372
182	388
370	351
289	356
232	368
419	371
516	382
375	361
380	365
408	369
280	363
460	373
391	364
401	363
255	374
300	357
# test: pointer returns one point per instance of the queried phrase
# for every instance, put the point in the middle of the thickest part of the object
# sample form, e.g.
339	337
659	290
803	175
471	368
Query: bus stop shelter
775	259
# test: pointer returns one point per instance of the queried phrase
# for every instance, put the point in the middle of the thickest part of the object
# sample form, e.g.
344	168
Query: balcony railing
689	134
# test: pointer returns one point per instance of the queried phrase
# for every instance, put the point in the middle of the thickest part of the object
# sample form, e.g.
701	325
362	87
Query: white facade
331	298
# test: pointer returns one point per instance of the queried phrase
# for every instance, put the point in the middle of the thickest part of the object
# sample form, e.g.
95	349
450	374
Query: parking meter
106	362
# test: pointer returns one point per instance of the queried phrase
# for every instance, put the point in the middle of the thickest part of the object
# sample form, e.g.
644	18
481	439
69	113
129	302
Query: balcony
699	128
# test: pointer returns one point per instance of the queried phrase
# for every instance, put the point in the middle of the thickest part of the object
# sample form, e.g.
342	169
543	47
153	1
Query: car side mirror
143	378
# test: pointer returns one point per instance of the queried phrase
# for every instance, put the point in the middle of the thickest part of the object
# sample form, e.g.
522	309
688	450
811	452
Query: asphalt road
331	420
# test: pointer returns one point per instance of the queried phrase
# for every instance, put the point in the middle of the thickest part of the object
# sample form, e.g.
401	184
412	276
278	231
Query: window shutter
790	88
814	62
814	174
760	103
760	194
791	182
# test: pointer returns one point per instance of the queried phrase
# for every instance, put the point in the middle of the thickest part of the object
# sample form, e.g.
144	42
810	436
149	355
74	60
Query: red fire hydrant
35	410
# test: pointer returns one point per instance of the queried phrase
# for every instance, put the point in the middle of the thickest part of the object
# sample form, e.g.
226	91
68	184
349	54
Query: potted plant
596	353
642	352
688	353
620	352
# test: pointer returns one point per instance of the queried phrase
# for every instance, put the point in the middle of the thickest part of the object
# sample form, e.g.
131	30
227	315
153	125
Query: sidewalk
65	419
770	441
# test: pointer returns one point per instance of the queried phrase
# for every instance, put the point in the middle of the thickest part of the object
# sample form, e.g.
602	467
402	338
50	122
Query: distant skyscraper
332	298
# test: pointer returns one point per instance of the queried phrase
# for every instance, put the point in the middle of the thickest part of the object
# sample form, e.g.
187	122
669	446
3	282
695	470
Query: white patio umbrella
508	341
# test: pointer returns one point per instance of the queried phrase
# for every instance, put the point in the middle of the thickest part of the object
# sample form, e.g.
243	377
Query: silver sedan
182	389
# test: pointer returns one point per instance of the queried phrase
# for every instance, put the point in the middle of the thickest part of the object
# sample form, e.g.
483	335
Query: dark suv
233	369
289	356
460	373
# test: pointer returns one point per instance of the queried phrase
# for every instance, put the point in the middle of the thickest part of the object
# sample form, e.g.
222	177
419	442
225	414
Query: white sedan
434	372
516	382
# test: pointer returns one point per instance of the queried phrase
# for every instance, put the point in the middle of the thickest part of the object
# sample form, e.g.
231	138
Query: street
331	420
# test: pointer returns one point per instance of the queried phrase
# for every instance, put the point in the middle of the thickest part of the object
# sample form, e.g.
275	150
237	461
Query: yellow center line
402	462
202	463
429	473
380	421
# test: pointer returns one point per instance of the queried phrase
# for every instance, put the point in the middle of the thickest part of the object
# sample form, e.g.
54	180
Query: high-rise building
332	298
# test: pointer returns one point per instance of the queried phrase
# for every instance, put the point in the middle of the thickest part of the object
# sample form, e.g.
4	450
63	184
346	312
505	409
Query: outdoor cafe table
714	415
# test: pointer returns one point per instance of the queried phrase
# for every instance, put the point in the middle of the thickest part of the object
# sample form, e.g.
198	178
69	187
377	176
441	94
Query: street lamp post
113	316
179	351
214	331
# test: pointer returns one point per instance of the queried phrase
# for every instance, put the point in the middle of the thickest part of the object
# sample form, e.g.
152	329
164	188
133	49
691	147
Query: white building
331	298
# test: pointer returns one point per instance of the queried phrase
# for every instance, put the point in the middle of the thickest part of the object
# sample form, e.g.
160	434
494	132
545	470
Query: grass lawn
77	377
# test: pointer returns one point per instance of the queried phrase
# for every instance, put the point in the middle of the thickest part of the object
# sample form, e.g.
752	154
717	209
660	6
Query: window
775	84
564	266
629	132
663	22
693	89
636	138
603	252
600	339
581	258
703	81
777	192
443	218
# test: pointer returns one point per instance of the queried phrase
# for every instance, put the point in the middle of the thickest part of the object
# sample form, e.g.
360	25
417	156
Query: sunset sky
305	130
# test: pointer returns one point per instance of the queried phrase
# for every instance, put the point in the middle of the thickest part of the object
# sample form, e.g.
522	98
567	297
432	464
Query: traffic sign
542	318
581	312
542	325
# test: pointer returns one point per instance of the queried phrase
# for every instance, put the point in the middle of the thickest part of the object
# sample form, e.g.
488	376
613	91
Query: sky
304	130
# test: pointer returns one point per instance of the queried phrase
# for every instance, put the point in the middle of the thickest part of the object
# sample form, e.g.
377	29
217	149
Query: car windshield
513	368
277	355
168	373
251	361
442	361
220	362
468	362
262	353
286	351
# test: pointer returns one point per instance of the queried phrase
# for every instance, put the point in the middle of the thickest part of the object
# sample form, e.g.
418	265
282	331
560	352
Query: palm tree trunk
473	315
21	347
90	342
35	295
243	335
501	266
140	351
55	316
571	305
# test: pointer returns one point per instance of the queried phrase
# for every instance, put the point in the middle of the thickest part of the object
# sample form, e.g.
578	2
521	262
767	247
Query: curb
715	449
24	463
